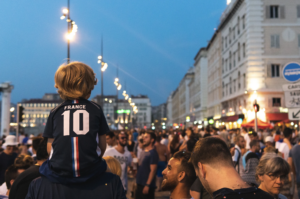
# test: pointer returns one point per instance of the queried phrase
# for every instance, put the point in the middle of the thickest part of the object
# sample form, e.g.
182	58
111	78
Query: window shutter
272	41
298	11
282	12
277	41
267	12
269	70
299	41
280	70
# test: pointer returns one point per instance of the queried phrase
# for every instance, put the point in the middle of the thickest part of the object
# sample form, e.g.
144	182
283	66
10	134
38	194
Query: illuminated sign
211	121
123	111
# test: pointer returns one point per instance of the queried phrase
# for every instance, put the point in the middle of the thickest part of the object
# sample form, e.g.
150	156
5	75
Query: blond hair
23	161
114	165
75	80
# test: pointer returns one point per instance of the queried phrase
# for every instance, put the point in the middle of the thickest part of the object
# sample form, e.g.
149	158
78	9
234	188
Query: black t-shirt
107	186
198	187
5	162
75	126
248	193
131	147
20	186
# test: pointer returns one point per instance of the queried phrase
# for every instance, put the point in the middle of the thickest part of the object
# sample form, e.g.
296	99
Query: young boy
75	128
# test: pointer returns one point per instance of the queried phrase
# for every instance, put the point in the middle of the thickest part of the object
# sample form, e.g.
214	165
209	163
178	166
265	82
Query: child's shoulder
94	104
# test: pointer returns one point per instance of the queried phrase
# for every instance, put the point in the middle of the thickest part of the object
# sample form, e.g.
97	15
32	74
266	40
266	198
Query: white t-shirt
284	149
247	139
125	161
3	189
164	141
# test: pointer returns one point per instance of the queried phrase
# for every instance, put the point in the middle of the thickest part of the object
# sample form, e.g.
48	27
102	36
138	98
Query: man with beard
213	165
122	155
179	176
145	178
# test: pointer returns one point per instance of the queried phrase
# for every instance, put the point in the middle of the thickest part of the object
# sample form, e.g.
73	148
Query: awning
260	124
233	118
277	116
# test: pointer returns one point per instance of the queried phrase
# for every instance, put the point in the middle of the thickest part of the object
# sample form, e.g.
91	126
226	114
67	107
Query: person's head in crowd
254	146
11	174
149	139
122	139
9	144
211	159
190	145
179	173
158	139
287	133
113	165
272	173
240	141
189	132
23	162
41	150
35	143
110	138
175	140
75	80
253	135
269	141
270	149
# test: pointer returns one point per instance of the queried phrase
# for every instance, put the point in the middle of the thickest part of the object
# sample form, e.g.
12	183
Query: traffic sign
294	114
292	99
291	87
291	72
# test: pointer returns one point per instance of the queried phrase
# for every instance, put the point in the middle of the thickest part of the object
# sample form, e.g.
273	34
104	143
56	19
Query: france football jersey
75	126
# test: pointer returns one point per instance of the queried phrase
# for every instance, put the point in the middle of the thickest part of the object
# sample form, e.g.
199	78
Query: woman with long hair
175	144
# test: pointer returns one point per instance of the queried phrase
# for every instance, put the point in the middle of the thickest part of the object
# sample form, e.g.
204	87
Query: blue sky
153	42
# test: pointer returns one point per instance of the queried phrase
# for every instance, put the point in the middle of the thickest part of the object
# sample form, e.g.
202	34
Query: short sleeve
235	156
154	158
104	129
197	186
129	159
48	132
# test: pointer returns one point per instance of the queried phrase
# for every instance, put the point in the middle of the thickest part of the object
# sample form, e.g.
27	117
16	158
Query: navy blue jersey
75	126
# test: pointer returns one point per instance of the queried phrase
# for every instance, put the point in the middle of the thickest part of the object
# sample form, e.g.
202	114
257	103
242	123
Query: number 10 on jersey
76	122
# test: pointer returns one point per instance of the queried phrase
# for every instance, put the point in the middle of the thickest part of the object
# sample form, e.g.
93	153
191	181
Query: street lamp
103	68
72	28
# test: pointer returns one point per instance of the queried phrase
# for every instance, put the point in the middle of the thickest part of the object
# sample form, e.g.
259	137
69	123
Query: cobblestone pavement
158	195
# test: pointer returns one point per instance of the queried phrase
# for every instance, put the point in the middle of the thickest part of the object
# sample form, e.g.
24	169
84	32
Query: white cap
10	140
269	139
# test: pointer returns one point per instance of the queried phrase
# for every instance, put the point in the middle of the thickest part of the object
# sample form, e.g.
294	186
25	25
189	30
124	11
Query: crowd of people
78	156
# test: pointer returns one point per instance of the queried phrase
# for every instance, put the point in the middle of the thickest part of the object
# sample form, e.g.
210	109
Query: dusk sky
153	42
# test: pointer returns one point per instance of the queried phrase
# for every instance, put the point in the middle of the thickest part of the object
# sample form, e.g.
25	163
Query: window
230	90
299	41
244	50
239	80
229	35
229	60
238	26
298	11
233	33
234	59
275	70
223	68
244	22
234	86
275	43
244	76
223	88
276	102
225	42
274	12
239	57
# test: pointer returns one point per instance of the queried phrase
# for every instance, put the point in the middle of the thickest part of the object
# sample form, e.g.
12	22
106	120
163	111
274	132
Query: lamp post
103	68
72	28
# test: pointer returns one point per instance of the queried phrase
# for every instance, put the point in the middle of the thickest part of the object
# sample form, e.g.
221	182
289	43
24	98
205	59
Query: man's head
254	146
210	154
122	139
253	135
178	171
240	141
10	142
10	175
287	133
110	138
269	141
149	139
